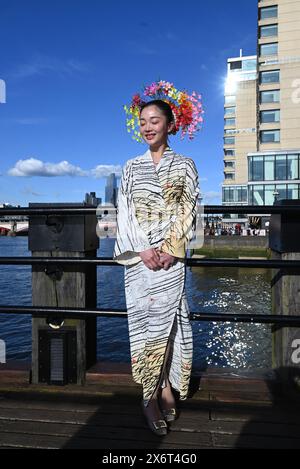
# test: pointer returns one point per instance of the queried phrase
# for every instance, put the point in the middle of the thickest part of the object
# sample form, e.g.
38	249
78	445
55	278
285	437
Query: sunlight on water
227	344
239	346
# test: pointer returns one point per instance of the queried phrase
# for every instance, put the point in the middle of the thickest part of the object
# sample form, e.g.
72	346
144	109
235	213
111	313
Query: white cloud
34	167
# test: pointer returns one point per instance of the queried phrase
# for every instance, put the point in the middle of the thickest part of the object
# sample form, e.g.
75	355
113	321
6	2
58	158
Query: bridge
13	226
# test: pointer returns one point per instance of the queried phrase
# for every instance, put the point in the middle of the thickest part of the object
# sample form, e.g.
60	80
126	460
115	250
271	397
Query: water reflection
231	290
214	289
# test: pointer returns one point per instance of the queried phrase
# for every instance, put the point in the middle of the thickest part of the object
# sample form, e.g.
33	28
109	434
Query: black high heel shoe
159	427
170	414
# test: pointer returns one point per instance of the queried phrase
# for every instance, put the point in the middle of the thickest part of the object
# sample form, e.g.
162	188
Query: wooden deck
224	411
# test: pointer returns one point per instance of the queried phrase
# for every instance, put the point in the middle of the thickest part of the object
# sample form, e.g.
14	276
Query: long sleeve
130	238
181	231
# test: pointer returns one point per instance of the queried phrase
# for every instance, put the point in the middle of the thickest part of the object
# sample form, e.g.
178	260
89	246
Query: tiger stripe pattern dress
156	208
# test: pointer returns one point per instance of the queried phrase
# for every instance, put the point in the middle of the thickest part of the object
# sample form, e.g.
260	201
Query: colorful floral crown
187	109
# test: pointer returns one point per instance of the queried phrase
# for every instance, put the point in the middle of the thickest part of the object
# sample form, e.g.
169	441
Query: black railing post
284	241
62	349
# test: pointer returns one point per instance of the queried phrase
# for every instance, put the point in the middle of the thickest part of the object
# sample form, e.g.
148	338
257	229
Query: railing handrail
85	210
85	313
190	262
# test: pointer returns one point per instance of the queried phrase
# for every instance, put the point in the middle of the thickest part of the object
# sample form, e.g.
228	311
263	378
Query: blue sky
70	65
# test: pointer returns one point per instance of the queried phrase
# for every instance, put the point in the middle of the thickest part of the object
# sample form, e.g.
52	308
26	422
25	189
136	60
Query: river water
209	289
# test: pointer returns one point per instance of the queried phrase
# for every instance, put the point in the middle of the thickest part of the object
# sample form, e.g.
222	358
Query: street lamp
275	193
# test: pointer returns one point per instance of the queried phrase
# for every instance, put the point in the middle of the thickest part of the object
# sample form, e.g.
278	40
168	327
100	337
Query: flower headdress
186	108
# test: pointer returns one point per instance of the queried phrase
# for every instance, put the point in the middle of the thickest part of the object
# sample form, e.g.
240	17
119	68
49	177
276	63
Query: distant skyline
69	67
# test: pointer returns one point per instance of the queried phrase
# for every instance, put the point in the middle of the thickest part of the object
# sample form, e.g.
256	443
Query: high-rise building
111	190
262	131
91	199
239	126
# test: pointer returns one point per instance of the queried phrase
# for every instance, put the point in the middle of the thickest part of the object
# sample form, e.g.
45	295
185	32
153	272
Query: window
265	194
269	168
236	65
229	140
256	168
270	116
229	152
230	99
241	194
270	96
280	167
228	194
270	136
269	49
235	194
268	12
270	30
292	167
257	195
274	167
269	194
281	188
249	64
229	164
292	191
229	110
229	176
229	131
269	77
229	122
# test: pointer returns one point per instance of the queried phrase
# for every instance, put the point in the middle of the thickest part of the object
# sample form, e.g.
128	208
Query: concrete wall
239	242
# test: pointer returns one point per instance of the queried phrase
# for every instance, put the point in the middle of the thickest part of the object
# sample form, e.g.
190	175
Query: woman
155	221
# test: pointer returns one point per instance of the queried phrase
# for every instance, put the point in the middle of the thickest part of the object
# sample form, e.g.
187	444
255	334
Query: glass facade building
273	175
262	112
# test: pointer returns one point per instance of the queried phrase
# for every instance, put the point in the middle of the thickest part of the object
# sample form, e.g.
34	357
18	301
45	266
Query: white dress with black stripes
157	209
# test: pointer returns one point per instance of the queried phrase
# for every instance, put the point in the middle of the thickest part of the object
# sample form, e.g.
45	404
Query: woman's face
153	126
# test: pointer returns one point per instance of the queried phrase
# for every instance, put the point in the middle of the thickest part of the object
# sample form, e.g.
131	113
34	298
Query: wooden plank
92	436
241	397
16	440
288	430
253	427
70	392
75	288
122	413
140	435
251	441
68	407
285	300
194	429
195	423
273	414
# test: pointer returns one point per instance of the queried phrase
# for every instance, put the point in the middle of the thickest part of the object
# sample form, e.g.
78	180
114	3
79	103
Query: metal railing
286	267
88	210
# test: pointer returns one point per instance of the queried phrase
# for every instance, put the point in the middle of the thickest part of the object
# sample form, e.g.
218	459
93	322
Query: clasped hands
155	259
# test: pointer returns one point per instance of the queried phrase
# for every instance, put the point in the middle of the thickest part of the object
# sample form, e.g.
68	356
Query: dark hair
163	106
